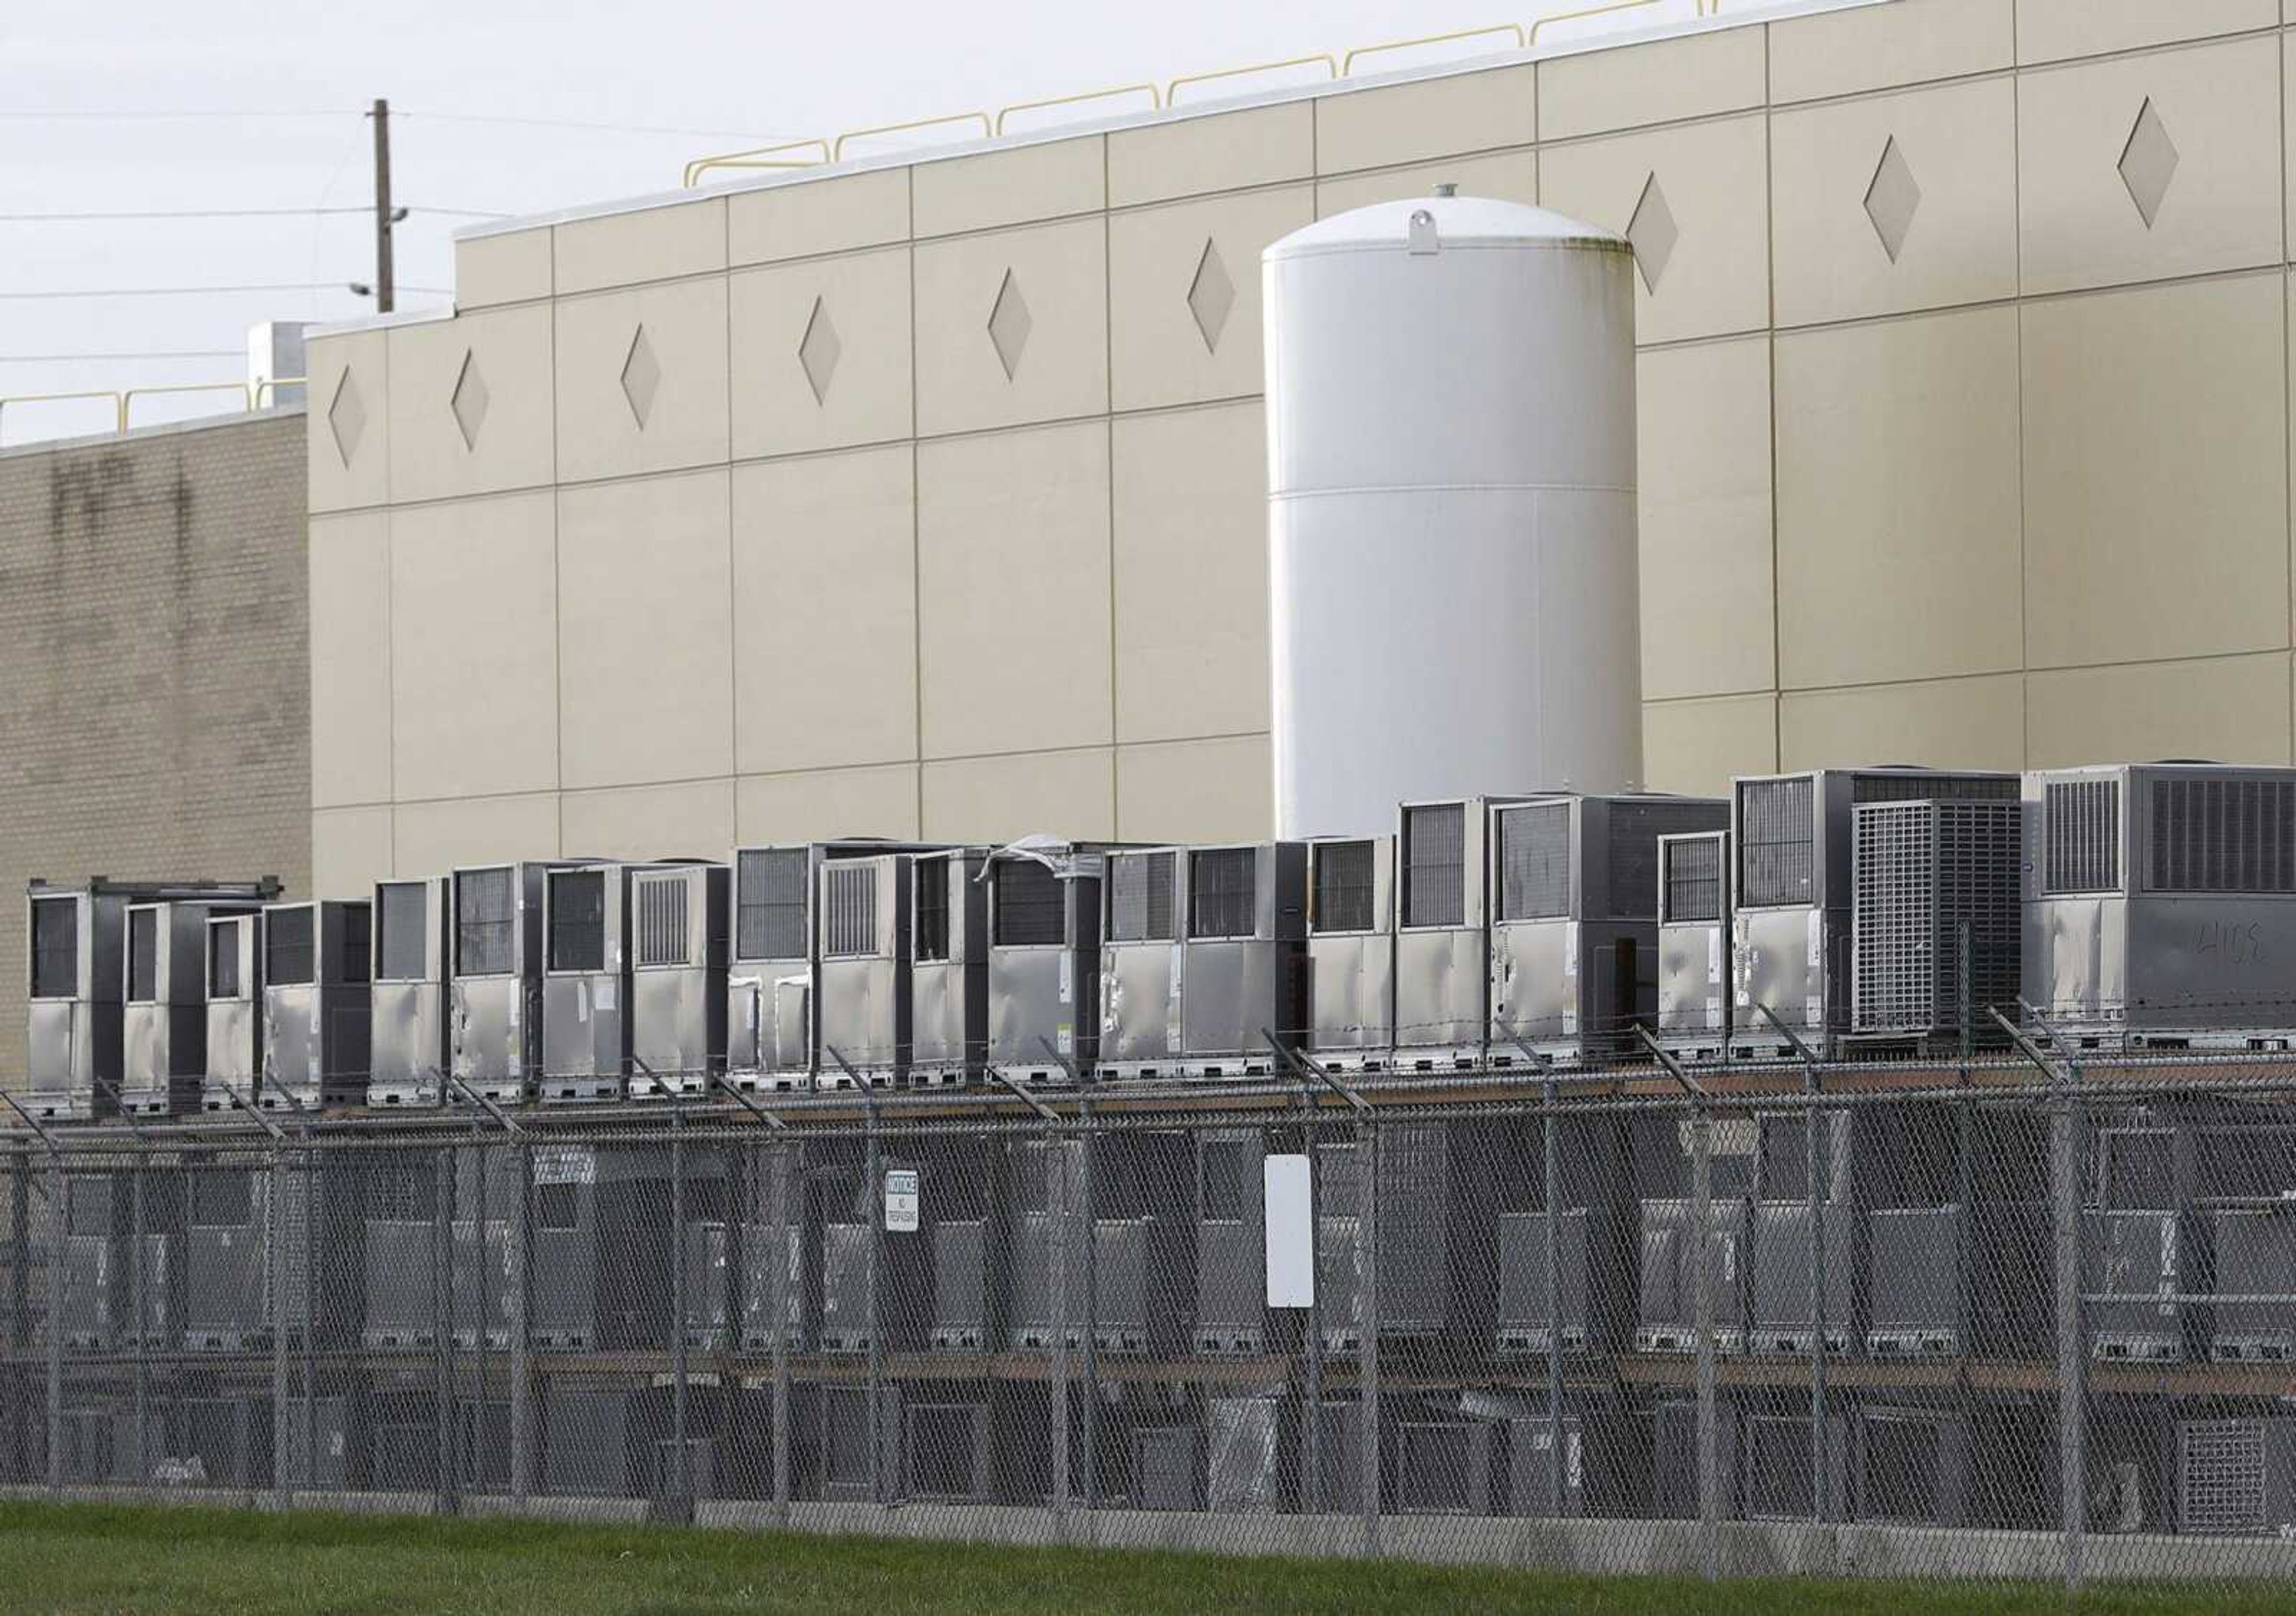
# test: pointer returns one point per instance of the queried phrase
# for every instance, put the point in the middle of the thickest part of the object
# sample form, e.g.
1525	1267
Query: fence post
444	1488
680	1476
317	1191
1701	1219
282	1330
59	1225
521	1282
2066	1152
1089	1224
1058	1197
1814	1174
1311	1427
20	1312
784	1169
1551	1174
875	1198
140	1335
1367	1409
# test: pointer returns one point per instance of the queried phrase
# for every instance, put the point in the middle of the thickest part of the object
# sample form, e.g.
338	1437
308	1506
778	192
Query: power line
224	213
163	114
198	291
576	123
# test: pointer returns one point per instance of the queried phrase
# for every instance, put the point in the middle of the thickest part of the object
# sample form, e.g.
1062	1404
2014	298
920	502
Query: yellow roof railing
1155	101
122	400
1348	61
988	130
1323	59
760	157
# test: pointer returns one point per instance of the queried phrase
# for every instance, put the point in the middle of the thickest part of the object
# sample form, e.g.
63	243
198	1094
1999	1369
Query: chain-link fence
2009	1317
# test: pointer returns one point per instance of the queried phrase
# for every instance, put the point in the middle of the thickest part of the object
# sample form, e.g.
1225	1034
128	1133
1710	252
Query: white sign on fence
901	1201
1291	1226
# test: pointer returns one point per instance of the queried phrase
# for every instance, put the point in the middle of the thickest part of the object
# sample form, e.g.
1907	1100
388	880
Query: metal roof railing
819	150
123	400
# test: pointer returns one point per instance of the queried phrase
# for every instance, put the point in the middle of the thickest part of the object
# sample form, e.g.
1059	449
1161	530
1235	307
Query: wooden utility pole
383	275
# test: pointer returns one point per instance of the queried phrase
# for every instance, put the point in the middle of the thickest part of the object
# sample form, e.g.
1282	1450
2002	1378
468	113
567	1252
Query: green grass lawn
86	1558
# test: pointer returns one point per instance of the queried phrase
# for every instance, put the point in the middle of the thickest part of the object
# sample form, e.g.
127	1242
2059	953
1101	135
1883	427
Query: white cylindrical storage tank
1451	509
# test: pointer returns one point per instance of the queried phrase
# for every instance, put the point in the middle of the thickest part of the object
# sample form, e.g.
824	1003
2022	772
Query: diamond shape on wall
1892	199
818	351
2148	163
641	377
347	417
1653	234
1212	295
469	399
1008	325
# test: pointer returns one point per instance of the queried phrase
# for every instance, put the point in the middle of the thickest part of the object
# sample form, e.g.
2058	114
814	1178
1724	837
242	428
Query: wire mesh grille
661	903
2081	822
1534	861
1028	907
1435	864
1777	841
486	918
1342	886
1692	883
2219	834
55	947
1140	906
770	900
290	946
848	910
1222	891
929	937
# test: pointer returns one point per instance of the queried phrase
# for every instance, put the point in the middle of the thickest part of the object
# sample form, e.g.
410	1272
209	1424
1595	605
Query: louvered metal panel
660	902
1778	840
1691	879
1140	897
2082	827
848	910
1535	862
2222	833
1435	864
771	903
1927	873
1344	887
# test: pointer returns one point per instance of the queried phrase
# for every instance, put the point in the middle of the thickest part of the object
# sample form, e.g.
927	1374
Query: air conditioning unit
1675	1468
219	1441
317	1009
1667	1308
967	1272
1929	879
602	1243
706	1249
2255	1252
495	983
593	1442
1168	1468
76	941
779	1232
1913	1466
2237	1478
1694	944
1140	965
164	1022
1448	1467
1780	1242
227	1262
2141	1247
236	1012
1574	928
1526	1322
946	1452
1442	933
679	918
1791	894
1045	907
1530	1465
1780	1474
1438	1276
585	982
948	967
2154	893
845	1440
413	942
1350	1016
1231	1242
1248	1454
1917	1305
94	1306
864	976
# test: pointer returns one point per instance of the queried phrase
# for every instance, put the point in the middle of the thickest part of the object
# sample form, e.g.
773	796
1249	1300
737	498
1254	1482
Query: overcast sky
92	98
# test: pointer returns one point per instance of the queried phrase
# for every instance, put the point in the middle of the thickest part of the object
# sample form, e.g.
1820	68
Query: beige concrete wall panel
2155	440
1880	47
2050	30
1708	601
433	838
1013	571
2231	709
1184	295
346	455
1511	177
641	380
2144	167
1625	87
1013	327
1063	793
1014	186
1196	790
643	244
350	677
825	611
473	657
811	216
1695	201
471	404
821	354
1899	500
1434	117
1945	723
1895	203
512	267
350	852
1191	573
692	819
645	631
820	805
1695	747
1220	151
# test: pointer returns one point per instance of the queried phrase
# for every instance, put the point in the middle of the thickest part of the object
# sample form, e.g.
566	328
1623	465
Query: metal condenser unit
1243	956
1043	958
164	1031
679	920
863	1001
947	967
318	1015
1349	1017
1574	932
413	944
585	982
1140	964
1442	934
1934	900
235	1063
2154	897
1694	944
1791	844
495	996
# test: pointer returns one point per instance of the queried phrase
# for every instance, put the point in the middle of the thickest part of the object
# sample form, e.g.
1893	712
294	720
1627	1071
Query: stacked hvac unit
1671	1257
494	1015
1231	1312
1576	1292
265	1250
1694	945
317	1005
1045	908
2246	1183
411	1034
108	1306
1349	1018
1437	1265
1442	934
1934	923
679	917
947	967
2144	1257
864	971
405	1300
586	1019
164	1034
236	1012
2156	896
1135	1279
1203	959
1574	926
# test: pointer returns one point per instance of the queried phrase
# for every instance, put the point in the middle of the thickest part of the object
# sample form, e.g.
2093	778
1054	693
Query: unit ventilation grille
1222	888
2080	821
848	910
289	958
1140	897
484	922
1632	847
55	947
1028	907
1535	862
1343	878
1435	864
929	927
660	902
2222	835
1692	879
770	920
576	913
1927	875
1777	841
2223	1479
